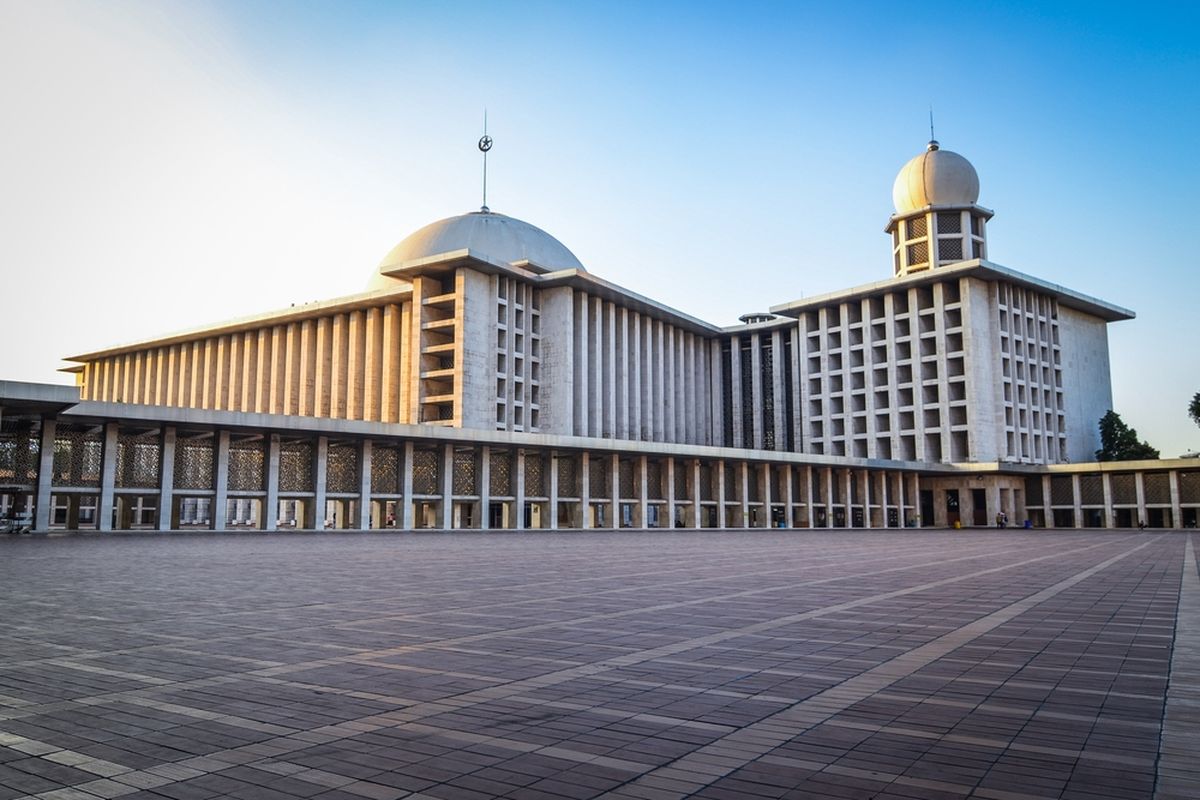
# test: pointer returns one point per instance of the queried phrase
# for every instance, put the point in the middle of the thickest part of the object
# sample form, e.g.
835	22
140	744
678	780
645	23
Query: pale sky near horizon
172	164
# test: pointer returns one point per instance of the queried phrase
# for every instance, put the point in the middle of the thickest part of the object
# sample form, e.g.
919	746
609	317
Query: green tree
1194	408
1119	442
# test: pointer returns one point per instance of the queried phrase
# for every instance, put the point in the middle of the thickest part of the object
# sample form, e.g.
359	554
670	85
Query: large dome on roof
493	236
935	178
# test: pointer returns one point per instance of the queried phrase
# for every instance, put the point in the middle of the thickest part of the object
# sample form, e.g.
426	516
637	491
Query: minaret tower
937	220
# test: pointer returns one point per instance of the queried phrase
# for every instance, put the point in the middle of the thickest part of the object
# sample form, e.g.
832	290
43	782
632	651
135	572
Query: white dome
493	236
935	178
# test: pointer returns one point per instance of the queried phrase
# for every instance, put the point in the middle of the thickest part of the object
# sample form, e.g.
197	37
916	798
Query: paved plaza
551	666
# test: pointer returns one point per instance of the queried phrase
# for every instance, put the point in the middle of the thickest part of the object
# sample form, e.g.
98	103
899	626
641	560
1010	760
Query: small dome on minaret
938	219
935	178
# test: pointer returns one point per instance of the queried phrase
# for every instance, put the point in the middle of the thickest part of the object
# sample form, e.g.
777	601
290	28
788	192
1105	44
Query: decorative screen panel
916	227
1033	491
950	250
426	471
19	450
626	474
1158	487
707	491
296	467
535	475
500	474
247	461
341	469
1061	491
194	463
949	222
465	477
599	477
77	456
568	476
385	470
1124	489
682	470
1189	487
654	480
1091	490
138	460
918	253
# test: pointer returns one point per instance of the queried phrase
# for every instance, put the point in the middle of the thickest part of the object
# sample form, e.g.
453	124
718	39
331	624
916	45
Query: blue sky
170	164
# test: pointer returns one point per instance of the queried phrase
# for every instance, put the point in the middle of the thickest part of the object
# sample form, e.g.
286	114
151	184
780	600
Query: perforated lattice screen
1189	487
1033	491
1158	487
194	463
1124	489
682	470
535	475
1061	492
246	466
465	480
341	468
568	476
949	222
747	372
626	475
500	477
1091	490
708	489
598	477
385	470
916	227
654	480
138	461
950	250
77	456
296	467
918	253
19	449
426	471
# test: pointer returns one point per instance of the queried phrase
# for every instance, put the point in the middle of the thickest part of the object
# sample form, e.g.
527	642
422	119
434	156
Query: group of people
1001	519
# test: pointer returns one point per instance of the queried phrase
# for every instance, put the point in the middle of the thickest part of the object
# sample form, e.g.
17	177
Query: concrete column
45	478
1076	501
320	476
994	505
406	487
1140	485
1110	514
271	511
721	493
552	463
1176	505
694	482
1047	511
221	495
108	478
827	494
864	491
364	484
643	466
166	478
614	467
744	492
769	493
670	492
585	490
789	495
519	489
445	518
485	487
848	488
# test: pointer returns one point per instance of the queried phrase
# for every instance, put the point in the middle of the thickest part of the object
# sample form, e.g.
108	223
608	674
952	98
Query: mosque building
486	379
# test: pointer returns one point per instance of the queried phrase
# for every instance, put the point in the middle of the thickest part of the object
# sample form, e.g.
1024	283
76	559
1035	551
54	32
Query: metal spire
485	144
933	142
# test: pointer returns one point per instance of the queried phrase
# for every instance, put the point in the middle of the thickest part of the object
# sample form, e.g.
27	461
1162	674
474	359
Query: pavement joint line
868	683
1179	745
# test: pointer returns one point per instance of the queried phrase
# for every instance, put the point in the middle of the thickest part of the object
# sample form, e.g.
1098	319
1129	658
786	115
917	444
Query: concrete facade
849	404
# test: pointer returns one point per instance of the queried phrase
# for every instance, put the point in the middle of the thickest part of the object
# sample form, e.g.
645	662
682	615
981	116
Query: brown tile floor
929	665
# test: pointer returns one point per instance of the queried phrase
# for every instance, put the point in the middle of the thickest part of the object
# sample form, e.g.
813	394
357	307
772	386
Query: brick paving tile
900	665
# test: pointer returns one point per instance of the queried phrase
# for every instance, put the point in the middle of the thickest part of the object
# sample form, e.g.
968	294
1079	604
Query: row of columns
892	490
1140	510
